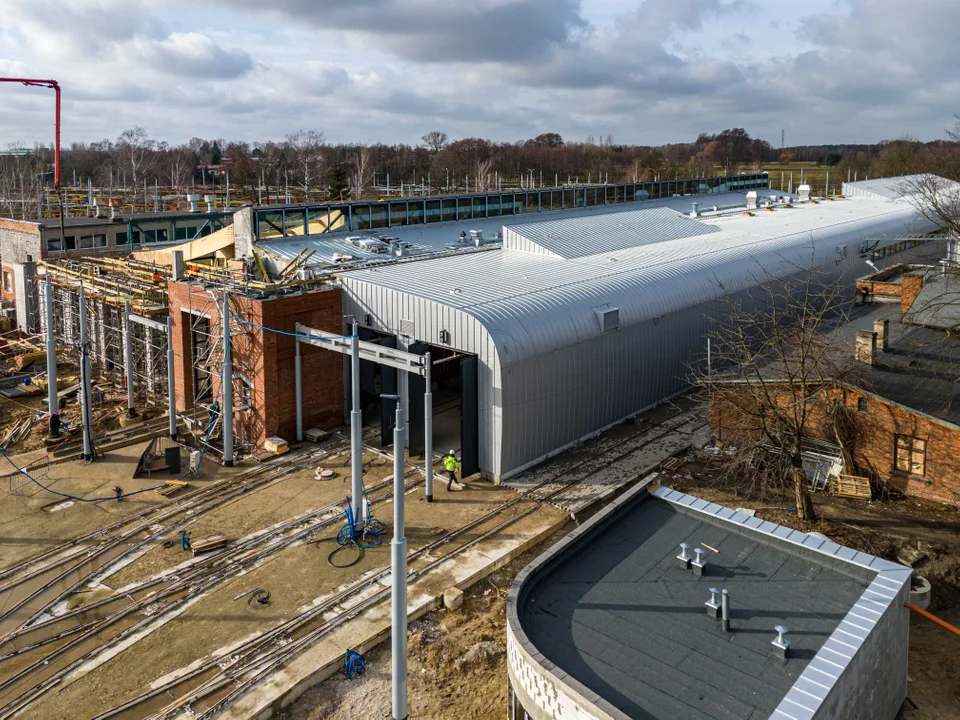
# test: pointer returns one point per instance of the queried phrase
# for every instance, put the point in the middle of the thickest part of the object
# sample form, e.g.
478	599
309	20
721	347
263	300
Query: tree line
304	166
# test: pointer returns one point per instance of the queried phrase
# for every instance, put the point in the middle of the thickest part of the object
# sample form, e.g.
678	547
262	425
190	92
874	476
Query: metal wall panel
547	377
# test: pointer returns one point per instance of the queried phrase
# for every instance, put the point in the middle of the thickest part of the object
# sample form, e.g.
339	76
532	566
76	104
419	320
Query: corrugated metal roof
532	303
889	188
438	237
584	236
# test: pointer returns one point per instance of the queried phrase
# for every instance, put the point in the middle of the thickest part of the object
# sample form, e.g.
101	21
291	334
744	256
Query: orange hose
932	618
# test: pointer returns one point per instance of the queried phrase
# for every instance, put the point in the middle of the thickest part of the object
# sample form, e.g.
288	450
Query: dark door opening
455	410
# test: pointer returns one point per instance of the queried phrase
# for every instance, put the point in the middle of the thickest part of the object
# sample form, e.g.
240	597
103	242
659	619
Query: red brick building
902	420
263	360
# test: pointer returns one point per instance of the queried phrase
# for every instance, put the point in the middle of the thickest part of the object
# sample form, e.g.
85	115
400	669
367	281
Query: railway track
205	690
34	586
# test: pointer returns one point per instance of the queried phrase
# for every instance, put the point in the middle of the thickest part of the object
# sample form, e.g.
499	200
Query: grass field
813	174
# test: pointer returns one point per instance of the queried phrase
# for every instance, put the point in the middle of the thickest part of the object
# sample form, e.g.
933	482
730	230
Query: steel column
298	388
226	386
356	427
428	430
53	400
398	573
171	384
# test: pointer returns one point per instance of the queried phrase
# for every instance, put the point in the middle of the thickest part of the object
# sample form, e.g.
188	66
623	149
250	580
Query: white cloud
647	71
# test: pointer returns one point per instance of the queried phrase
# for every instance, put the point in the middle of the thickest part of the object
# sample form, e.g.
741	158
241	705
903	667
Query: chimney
866	348
881	328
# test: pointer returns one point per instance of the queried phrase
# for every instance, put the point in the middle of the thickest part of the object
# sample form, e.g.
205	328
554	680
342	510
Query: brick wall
877	290
911	284
18	239
8	288
872	438
268	359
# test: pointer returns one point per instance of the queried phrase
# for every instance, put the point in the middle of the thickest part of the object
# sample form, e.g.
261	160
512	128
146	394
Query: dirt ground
457	664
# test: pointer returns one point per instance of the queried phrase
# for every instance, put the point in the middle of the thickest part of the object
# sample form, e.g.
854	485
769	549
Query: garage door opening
455	421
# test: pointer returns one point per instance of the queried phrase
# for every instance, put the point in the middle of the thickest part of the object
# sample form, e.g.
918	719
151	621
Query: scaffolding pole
128	357
356	426
227	386
53	400
86	414
171	384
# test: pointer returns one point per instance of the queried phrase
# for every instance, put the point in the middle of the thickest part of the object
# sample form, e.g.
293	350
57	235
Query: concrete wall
18	240
874	682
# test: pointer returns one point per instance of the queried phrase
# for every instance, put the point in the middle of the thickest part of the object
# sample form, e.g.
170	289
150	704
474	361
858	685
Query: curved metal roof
532	304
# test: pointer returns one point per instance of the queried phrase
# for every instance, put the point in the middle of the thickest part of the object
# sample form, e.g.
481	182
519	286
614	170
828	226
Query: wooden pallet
851	486
214	541
171	487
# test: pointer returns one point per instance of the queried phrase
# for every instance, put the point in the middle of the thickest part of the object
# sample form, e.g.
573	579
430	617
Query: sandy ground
294	577
456	663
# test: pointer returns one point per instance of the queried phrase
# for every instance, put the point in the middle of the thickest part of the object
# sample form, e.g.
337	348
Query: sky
364	71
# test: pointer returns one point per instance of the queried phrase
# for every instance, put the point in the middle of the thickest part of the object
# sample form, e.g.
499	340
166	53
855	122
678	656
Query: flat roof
620	616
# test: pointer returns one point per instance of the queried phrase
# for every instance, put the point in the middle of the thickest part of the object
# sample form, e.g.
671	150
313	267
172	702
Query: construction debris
276	445
208	543
171	487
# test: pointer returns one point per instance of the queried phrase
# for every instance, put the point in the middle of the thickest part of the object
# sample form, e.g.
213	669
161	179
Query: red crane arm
32	82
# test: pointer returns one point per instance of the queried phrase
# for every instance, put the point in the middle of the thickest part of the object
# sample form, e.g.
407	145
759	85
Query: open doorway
455	421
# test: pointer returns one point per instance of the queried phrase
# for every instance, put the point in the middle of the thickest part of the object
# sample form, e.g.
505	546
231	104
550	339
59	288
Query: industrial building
667	606
549	314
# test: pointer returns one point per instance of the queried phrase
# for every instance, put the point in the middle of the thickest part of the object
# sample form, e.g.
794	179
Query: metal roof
439	237
583	236
532	304
888	188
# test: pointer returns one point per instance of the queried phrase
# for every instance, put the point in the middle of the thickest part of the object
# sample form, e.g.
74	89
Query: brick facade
911	285
871	438
268	359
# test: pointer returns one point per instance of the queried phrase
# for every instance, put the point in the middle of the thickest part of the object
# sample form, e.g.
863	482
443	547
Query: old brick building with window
901	417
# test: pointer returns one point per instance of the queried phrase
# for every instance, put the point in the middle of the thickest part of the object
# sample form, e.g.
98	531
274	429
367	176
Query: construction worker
451	465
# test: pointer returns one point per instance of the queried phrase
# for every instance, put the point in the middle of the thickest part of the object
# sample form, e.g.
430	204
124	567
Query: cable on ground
115	497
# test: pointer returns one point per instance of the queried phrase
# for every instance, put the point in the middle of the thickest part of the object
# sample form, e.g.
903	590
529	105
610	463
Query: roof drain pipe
725	610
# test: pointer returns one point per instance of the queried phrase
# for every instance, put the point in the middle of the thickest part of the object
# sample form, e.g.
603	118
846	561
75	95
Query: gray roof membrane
578	237
620	616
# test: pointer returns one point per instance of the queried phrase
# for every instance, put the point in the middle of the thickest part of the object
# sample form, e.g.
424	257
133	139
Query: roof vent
609	318
752	200
804	192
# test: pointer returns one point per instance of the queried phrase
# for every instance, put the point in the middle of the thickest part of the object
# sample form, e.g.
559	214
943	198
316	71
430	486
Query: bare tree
361	172
435	140
482	173
183	168
136	151
775	363
308	157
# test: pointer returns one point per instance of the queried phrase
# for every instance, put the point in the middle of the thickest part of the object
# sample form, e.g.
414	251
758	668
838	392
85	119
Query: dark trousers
452	479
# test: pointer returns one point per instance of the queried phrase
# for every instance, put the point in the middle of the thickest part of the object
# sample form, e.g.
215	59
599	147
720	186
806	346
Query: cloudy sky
644	71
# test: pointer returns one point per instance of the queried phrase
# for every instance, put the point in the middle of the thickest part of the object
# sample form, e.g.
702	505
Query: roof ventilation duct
752	200
609	318
804	193
695	212
194	201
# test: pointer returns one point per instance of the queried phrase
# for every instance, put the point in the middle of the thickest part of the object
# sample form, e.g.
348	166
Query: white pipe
428	431
85	399
356	422
128	357
171	383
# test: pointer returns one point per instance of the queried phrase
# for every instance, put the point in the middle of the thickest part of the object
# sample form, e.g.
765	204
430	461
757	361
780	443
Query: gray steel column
428	430
356	422
128	357
398	573
53	400
85	398
171	384
298	388
226	386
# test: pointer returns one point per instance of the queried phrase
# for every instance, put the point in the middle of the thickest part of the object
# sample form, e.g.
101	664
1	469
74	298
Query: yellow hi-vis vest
451	464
